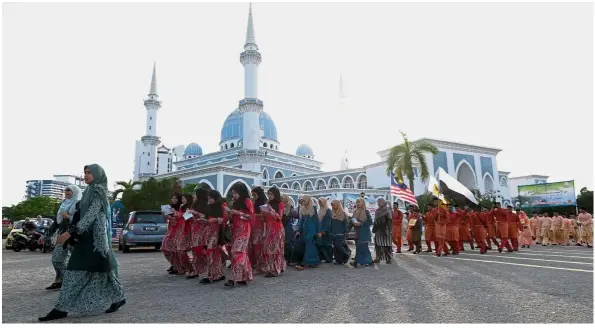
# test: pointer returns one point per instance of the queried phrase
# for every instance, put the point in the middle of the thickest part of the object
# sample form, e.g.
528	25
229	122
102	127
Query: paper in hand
187	216
166	209
353	220
264	208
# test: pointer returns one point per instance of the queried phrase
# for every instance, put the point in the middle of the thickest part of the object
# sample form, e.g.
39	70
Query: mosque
249	153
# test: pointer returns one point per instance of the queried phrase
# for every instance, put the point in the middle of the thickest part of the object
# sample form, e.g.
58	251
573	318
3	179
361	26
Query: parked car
144	228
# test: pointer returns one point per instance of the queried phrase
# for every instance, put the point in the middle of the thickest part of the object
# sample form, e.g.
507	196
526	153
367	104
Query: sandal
54	286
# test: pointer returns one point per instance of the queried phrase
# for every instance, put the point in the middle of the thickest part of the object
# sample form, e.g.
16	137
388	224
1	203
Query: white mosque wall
164	160
138	151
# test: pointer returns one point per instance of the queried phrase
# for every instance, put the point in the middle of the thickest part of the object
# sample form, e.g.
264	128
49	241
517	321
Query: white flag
455	190
434	189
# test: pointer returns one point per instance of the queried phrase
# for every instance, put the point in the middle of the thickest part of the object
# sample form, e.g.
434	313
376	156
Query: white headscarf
68	204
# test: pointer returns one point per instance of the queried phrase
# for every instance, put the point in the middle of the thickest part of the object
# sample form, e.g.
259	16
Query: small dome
193	149
304	150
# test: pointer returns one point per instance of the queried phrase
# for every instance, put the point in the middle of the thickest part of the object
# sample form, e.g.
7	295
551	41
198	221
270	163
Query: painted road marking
526	258
545	250
521	264
552	255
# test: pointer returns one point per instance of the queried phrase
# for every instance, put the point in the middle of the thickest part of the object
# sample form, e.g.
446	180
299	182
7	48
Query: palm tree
124	186
404	157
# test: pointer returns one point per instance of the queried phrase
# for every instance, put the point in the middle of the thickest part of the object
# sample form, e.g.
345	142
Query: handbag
224	234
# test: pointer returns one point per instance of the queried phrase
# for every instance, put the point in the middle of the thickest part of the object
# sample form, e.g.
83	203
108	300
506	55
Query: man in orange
535	224
440	215
464	229
479	230
490	228
501	216
397	227
514	225
557	229
452	231
430	226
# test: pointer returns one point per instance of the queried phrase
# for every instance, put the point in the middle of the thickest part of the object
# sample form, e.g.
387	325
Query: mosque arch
320	184
362	181
308	185
503	181
265	145
206	183
285	186
227	192
488	182
274	185
279	174
334	183
265	173
465	175
348	182
296	186
294	174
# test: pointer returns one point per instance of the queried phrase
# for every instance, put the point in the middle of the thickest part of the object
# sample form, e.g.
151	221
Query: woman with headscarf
197	229
308	232
362	220
383	231
258	230
289	215
526	236
339	227
274	238
169	245
182	237
90	283
242	214
216	213
60	254
325	242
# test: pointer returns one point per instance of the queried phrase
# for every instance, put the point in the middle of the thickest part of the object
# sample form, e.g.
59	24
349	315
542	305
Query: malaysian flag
400	190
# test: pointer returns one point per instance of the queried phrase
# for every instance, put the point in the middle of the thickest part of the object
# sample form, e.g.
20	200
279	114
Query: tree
585	199
424	200
151	195
189	188
32	207
404	157
486	200
124	187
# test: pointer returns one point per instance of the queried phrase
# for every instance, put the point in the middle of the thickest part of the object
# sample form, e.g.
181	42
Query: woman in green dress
90	284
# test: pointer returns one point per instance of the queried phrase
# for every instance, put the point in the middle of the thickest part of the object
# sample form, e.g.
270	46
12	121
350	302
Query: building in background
53	188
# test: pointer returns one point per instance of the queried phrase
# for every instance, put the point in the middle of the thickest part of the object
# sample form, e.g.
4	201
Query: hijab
97	189
67	204
360	213
260	200
323	208
276	199
338	214
285	199
383	208
308	208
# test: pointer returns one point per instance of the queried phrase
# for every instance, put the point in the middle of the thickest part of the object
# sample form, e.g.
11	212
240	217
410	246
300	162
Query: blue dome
193	149
233	127
304	150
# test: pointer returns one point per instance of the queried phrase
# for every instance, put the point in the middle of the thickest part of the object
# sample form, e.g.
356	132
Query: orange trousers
398	241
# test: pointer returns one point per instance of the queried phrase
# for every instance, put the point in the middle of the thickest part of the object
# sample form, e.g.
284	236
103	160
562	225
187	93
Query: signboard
547	194
350	199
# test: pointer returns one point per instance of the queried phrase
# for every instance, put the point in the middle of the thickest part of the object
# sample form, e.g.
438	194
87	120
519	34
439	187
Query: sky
514	76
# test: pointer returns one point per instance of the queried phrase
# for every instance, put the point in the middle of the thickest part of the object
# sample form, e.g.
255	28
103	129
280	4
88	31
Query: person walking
397	227
339	227
362	220
242	213
382	230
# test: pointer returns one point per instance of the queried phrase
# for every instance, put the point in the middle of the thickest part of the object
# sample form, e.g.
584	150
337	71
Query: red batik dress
256	240
196	232
214	266
241	267
273	247
182	242
168	245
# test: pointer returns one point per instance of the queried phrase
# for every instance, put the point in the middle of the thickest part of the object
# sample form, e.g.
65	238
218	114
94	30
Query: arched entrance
466	176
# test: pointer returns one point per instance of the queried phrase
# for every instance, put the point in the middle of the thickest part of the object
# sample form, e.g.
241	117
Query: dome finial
153	90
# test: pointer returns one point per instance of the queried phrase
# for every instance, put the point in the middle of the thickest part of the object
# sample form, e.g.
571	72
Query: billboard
349	203
547	194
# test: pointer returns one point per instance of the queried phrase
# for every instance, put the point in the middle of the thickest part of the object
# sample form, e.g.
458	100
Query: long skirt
273	252
383	253
587	234
310	253
341	251
214	265
86	292
241	268
526	239
362	253
60	256
325	253
297	253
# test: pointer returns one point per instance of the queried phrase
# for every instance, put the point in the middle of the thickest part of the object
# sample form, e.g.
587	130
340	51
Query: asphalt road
538	285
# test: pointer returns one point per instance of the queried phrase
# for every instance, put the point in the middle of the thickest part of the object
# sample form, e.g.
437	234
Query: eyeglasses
65	190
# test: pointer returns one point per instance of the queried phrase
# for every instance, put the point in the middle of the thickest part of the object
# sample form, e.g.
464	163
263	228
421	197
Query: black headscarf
261	200
202	200
188	202
215	210
177	205
240	203
276	199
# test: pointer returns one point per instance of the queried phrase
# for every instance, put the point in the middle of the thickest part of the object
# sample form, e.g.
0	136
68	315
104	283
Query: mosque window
335	184
265	144
308	186
231	145
320	185
225	146
348	182
271	146
362	183
149	127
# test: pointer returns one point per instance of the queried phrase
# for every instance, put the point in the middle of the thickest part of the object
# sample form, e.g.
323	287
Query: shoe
174	271
500	250
398	252
229	283
54	286
170	268
528	246
115	306
205	281
53	315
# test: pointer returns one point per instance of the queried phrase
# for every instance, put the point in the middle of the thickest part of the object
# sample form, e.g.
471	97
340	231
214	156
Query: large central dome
233	129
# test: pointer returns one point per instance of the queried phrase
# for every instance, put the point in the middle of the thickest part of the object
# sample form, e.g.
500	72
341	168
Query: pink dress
526	234
241	267
586	228
273	247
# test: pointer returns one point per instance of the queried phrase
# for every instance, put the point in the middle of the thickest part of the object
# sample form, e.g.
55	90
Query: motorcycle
47	242
22	240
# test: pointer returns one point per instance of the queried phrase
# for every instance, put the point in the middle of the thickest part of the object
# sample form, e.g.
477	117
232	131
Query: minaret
150	140
250	107
344	162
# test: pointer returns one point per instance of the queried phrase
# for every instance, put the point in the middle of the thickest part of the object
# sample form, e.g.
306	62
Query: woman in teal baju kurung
364	235
339	227
325	242
309	231
90	284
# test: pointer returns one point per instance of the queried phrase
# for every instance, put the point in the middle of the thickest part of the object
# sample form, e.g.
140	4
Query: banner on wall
350	199
547	194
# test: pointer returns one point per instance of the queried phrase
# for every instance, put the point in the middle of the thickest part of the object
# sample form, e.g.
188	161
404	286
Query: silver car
144	228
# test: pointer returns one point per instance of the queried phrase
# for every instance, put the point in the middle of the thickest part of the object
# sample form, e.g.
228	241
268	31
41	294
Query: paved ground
538	285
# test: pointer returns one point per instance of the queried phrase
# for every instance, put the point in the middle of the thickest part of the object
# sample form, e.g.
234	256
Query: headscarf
97	189
308	207
276	198
360	213
382	209
285	199
67	204
260	200
323	207
244	193
338	214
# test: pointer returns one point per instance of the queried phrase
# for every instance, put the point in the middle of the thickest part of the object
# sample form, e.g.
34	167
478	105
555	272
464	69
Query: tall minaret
250	107
150	140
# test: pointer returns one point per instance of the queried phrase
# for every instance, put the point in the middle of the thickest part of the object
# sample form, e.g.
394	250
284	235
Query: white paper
353	220
264	208
187	216
166	209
